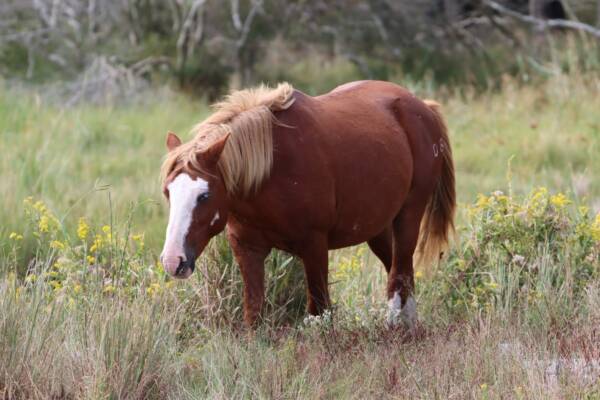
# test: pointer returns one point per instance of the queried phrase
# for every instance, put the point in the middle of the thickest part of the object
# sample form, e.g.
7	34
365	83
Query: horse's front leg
251	259
314	255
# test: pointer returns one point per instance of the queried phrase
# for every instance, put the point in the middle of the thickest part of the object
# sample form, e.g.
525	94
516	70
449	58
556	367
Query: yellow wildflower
40	206
538	200
482	201
361	251
91	259
43	225
82	229
56	285
559	200
170	284
77	289
57	245
107	231
153	289
97	245
108	289
31	278
15	236
595	228
418	274
139	240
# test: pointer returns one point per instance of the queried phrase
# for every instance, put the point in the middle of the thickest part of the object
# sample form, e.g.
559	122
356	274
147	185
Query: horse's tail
437	223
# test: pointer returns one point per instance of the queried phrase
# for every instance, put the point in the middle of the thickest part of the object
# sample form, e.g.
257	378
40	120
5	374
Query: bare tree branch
190	35
256	5
235	15
147	64
542	23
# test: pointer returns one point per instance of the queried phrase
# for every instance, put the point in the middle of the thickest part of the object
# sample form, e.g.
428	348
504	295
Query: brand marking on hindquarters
439	148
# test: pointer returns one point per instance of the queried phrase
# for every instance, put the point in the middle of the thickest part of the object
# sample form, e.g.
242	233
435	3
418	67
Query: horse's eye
203	197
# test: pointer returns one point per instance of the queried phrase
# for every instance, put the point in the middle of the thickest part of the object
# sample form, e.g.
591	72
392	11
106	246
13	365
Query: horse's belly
372	184
363	226
362	216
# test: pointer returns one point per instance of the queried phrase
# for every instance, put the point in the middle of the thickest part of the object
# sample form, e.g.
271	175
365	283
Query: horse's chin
184	274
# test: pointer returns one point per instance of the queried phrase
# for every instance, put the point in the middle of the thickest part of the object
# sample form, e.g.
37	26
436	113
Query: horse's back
352	148
409	115
343	163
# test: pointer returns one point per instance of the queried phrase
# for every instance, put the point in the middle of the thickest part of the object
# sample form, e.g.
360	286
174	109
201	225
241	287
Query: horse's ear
173	141
210	156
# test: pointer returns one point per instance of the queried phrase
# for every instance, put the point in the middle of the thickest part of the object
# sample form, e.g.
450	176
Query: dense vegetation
512	312
113	48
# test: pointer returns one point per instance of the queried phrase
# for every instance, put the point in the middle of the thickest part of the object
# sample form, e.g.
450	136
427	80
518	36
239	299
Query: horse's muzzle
185	268
180	267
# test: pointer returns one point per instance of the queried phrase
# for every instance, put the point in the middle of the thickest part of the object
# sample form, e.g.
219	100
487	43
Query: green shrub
517	254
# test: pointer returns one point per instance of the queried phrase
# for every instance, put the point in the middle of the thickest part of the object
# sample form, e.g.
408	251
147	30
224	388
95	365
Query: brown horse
367	162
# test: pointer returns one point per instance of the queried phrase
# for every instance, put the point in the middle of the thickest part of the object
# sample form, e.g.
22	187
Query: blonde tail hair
438	221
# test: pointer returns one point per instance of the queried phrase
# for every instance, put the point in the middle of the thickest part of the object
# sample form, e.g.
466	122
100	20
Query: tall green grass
66	155
512	312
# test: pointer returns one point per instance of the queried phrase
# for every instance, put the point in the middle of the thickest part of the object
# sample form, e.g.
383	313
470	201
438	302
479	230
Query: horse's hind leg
315	257
382	245
401	285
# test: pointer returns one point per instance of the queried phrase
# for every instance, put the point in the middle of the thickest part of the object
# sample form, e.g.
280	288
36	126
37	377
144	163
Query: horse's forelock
247	158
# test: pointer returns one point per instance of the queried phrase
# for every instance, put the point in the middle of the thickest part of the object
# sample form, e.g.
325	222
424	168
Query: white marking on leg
183	194
394	309
398	314
215	219
409	313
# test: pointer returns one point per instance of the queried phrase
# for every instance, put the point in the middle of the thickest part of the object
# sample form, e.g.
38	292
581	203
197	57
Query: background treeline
103	47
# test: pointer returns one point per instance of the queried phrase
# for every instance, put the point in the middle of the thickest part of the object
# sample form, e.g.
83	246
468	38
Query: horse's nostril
182	267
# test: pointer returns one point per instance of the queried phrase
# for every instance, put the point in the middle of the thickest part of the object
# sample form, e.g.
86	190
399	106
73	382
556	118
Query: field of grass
513	312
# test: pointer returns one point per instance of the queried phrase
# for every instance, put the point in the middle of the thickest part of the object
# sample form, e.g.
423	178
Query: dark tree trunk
547	9
452	10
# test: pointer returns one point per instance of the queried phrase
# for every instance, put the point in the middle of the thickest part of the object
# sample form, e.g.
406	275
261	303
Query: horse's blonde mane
247	159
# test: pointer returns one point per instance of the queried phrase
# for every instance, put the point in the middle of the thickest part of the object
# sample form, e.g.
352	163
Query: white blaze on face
183	195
